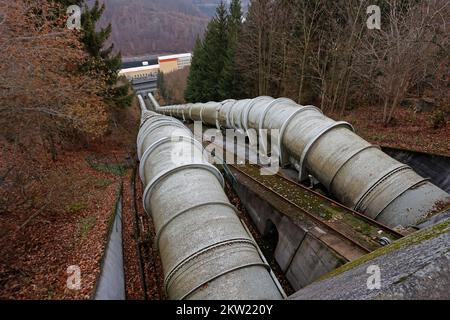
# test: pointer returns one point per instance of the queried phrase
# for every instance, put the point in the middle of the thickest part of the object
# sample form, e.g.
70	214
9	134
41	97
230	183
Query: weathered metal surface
152	99
358	174
206	252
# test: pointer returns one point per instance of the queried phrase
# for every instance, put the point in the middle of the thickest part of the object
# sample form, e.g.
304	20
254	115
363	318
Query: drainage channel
435	167
111	283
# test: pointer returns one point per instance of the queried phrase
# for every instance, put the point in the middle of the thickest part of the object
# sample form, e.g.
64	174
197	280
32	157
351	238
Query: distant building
139	61
144	68
137	73
174	62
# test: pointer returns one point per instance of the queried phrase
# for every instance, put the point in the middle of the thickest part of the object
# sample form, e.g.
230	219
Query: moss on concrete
359	228
412	239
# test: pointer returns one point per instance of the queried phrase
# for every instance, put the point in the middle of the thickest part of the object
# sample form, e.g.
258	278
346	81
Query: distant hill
142	27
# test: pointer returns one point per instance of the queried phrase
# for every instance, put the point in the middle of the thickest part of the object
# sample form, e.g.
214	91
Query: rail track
355	213
150	282
372	238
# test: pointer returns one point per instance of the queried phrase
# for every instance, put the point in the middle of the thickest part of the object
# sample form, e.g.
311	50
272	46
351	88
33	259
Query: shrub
439	119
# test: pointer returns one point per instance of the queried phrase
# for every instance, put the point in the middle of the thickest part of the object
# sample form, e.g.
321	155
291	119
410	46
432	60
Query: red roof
167	60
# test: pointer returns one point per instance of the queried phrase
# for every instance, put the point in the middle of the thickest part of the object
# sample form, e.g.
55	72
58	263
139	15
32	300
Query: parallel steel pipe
205	250
359	174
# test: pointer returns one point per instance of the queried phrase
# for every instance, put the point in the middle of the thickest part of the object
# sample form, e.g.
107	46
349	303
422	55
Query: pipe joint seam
217	115
384	176
361	203
160	142
190	112
152	119
150	129
198	254
144	119
151	185
229	112
247	265
181	212
283	153
201	112
302	169
263	116
330	184
248	107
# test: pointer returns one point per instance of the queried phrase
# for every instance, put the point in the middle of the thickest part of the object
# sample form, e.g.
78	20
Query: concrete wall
302	256
167	66
138	74
416	267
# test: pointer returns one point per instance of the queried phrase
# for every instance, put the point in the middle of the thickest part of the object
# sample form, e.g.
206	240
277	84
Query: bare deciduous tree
44	98
405	51
39	74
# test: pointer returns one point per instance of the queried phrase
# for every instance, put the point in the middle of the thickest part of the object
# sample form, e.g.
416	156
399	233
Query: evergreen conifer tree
103	61
230	81
215	48
194	90
209	60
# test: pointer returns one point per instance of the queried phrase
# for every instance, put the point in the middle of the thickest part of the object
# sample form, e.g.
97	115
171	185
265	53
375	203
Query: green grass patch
102	183
86	225
117	169
76	207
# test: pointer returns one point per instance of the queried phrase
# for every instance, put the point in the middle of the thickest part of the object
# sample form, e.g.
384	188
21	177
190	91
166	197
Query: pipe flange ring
302	170
152	127
156	124
263	116
249	106
180	213
330	184
197	254
205	166
286	123
160	142
246	265
385	175
190	112
230	109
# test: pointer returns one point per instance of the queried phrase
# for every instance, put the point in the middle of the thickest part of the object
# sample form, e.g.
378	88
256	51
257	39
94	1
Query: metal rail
309	214
350	210
372	222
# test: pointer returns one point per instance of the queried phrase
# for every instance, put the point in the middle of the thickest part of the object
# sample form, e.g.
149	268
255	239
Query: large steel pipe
205	250
359	174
